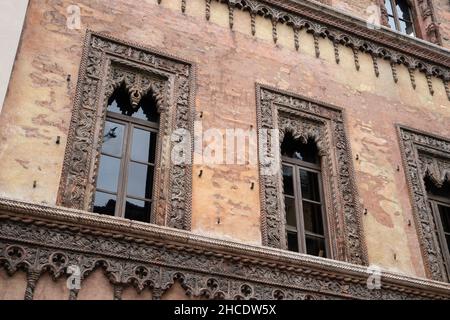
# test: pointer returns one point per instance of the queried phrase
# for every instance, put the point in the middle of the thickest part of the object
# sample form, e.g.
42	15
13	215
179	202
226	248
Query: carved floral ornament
426	155
108	63
342	30
324	124
39	239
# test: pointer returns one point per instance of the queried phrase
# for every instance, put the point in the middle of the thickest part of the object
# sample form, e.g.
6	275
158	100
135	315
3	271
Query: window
439	200
400	16
303	197
127	161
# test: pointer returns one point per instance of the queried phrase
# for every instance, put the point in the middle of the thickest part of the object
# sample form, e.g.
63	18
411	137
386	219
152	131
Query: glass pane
104	203
406	28
147	109
388	5
313	218
144	146
289	204
392	23
114	106
310	185
403	10
292	241
113	138
140	180
138	210
295	149
447	237
288	184
108	173
315	246
445	217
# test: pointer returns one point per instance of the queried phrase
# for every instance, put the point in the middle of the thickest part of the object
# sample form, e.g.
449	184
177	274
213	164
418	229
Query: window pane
445	217
392	23
137	210
447	237
143	146
388	5
295	149
406	28
291	219
140	180
108	173
113	138
292	241
288	184
403	10
313	218
315	246
310	185
104	203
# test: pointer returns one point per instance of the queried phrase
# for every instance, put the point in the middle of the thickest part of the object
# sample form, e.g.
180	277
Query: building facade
233	149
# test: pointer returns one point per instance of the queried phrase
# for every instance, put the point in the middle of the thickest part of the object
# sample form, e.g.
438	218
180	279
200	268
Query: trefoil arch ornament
307	119
108	63
425	155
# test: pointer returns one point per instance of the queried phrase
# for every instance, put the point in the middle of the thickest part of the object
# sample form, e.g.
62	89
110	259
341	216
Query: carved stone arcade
426	155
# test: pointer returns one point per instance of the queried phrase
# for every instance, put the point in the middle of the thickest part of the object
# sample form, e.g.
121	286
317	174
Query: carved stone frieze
343	30
39	239
106	64
426	155
304	118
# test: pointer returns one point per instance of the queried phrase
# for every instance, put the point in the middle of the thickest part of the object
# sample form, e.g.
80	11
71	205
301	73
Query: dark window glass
310	185
140	180
292	241
288	184
108	173
445	217
289	203
315	246
312	214
295	149
137	210
104	203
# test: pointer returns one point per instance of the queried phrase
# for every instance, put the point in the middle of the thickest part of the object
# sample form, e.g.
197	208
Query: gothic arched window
303	197
439	200
127	161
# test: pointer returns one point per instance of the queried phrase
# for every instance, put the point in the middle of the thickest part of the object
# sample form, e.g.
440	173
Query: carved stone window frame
324	123
425	154
108	62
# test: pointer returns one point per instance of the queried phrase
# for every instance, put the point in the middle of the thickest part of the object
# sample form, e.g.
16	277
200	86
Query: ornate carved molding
344	30
38	239
424	154
306	118
106	64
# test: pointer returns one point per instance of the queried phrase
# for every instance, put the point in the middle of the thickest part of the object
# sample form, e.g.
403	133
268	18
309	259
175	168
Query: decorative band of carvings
343	30
426	155
37	239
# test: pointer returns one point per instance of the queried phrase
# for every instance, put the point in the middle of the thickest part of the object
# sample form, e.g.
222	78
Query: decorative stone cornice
39	238
344	30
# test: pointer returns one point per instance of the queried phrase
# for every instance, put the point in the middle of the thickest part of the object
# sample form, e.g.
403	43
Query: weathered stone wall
38	108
